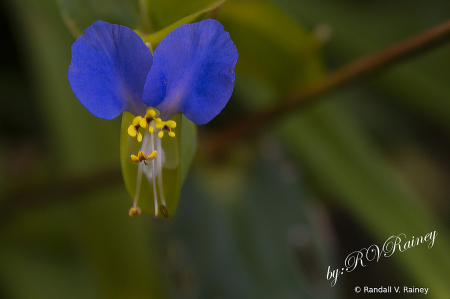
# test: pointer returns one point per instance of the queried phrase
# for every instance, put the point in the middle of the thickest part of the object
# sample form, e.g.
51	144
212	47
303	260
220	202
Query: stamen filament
153	175
135	210
138	184
159	161
150	121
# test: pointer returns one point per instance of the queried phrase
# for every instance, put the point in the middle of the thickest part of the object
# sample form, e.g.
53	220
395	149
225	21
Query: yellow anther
135	158
152	156
134	211
166	126
149	46
133	129
150	113
143	123
149	116
142	157
136	121
163	210
171	124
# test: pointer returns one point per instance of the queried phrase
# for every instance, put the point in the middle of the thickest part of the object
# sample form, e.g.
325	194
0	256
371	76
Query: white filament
139	174
155	198
159	158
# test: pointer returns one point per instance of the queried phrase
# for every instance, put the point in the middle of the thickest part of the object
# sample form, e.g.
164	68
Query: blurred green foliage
256	225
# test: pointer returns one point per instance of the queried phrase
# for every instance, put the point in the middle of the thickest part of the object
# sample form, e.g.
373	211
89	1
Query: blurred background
365	162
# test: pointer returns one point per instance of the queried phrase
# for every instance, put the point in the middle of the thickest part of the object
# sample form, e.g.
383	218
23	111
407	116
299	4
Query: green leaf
156	18
89	248
347	167
156	37
85	245
80	14
164	13
122	251
74	146
251	234
339	159
421	84
272	48
176	156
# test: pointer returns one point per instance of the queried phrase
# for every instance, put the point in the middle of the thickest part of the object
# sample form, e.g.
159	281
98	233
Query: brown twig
235	131
28	196
73	187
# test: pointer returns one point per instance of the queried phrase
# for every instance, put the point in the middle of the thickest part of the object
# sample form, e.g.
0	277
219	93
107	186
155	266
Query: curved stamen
133	129
150	116
141	157
150	121
135	210
166	126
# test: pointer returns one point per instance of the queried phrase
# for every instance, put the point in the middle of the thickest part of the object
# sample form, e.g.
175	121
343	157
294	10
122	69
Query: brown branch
233	132
71	188
27	196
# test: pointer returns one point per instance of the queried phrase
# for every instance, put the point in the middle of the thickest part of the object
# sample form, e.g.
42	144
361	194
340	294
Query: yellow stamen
150	113
133	129
143	123
136	121
134	211
142	157
149	46
152	156
163	210
171	124
166	126
149	116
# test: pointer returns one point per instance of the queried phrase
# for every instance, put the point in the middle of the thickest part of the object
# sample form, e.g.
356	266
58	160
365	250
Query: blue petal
192	72
108	70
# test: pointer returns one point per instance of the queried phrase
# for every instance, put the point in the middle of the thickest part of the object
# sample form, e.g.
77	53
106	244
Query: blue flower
108	70
191	72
